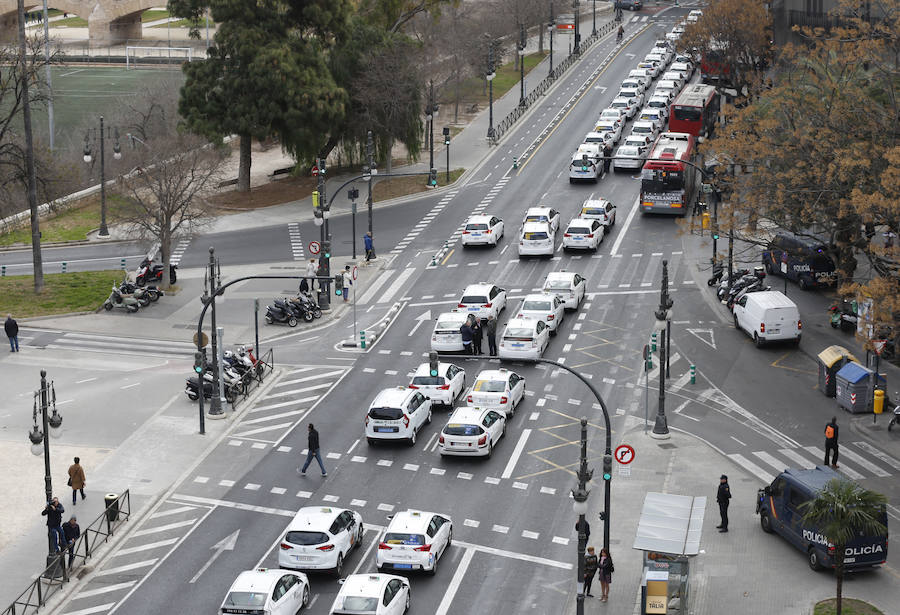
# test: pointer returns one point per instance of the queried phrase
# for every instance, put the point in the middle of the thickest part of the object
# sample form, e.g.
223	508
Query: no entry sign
624	454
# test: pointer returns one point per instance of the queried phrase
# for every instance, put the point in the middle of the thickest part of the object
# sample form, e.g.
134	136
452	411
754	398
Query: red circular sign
624	454
314	247
355	272
315	170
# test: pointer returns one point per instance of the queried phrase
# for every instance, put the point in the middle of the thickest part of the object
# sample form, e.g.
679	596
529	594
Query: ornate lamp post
103	135
52	425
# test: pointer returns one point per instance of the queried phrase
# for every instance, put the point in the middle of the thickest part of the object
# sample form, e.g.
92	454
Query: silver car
629	157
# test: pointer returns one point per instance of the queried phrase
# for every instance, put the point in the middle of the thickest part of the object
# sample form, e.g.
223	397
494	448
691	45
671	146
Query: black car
631	5
802	259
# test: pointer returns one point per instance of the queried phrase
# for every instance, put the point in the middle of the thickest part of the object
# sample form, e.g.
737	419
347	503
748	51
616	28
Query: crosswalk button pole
362	339
693	374
653	342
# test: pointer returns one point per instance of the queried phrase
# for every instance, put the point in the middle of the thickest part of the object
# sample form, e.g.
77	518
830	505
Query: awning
670	524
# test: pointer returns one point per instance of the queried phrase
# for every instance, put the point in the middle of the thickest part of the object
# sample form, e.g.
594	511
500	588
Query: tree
841	511
166	194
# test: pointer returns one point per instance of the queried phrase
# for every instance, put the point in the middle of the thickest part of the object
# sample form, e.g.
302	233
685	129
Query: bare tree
166	196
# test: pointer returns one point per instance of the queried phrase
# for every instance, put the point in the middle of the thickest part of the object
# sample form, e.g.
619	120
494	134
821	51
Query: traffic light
715	231
338	284
584	162
315	202
433	364
432	177
607	467
446	135
326	249
705	220
199	361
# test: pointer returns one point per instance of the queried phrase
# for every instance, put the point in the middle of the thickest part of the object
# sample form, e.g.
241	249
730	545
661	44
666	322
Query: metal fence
514	115
252	378
57	573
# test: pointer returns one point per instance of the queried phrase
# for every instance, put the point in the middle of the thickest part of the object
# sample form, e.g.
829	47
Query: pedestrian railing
57	573
506	123
265	365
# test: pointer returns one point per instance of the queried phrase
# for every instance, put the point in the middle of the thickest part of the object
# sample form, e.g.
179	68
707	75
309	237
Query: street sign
707	188
624	471
315	170
355	272
878	345
624	454
204	339
314	247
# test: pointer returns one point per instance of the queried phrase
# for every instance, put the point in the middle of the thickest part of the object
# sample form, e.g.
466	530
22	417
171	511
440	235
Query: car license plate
578	238
476	234
473	309
517	345
404	566
384	429
302	558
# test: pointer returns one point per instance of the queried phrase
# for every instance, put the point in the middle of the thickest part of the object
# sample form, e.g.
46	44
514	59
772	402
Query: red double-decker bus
695	110
669	179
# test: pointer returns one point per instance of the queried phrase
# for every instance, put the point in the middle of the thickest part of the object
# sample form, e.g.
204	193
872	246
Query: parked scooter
299	309
306	300
192	389
844	314
723	285
118	299
283	315
717	271
152	292
149	271
895	420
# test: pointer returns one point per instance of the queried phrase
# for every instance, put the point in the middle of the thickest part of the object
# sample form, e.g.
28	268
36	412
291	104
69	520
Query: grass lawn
401	186
153	15
71	22
473	89
849	606
186	23
63	293
70	225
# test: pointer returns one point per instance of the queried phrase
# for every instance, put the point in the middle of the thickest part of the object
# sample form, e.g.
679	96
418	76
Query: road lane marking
163	528
377	284
797	458
455	582
865	463
842	467
624	229
770	460
172	511
127	567
394	288
752	467
877	453
152	545
517	452
94	609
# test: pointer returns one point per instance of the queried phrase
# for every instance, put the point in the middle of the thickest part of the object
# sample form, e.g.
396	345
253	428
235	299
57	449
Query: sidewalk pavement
745	569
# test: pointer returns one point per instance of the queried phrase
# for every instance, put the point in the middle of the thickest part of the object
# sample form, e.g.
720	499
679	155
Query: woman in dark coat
606	570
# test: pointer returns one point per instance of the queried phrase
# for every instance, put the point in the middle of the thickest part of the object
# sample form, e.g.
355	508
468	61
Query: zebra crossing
108	344
296	242
424	222
179	250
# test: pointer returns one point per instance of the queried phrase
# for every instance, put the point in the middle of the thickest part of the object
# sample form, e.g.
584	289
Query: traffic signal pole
324	270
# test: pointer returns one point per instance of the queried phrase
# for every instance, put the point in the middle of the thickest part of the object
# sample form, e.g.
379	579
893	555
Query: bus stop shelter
668	533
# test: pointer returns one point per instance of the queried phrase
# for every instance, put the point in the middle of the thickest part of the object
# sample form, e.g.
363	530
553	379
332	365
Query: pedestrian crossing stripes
423	224
296	242
112	344
178	252
857	461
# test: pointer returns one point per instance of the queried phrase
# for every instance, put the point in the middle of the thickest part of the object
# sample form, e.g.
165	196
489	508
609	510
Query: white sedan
320	538
568	285
372	594
441	389
499	389
482	230
483	300
472	432
544	306
523	339
582	234
611	126
414	540
629	157
267	592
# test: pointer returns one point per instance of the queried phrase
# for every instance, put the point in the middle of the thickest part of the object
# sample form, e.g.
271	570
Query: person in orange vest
831	442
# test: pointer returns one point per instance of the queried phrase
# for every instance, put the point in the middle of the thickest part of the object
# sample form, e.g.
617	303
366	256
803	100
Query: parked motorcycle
310	304
717	271
299	309
283	315
150	271
844	314
118	299
192	389
895	420
152	292
723	284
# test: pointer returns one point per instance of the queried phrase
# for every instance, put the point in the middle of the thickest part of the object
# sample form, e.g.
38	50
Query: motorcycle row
743	281
131	296
291	311
239	369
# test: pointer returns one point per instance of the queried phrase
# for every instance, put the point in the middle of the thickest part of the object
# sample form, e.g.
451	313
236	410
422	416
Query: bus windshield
688	114
660	180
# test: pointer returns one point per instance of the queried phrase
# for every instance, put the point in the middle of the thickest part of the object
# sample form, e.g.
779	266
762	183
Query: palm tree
842	511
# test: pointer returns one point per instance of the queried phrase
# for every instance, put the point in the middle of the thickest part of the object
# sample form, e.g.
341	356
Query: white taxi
669	89
543	306
635	83
537	239
602	138
628	107
583	234
267	592
660	104
542	214
372	594
676	77
320	538
609	125
523	339
632	94
443	388
601	210
483	300
645	128
584	167
651	67
694	16
482	230
641	74
414	540
613	114
499	389
446	336
397	413
472	432
568	285
655	115
629	157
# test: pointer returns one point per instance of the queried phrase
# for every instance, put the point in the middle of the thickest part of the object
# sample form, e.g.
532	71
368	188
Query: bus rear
668	178
695	110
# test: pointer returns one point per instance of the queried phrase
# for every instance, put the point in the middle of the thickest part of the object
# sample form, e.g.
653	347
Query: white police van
780	509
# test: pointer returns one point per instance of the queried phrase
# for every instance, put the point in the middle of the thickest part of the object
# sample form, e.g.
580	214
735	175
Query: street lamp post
521	65
370	154
46	396
353	194
429	117
594	30
117	154
490	78
577	36
216	400
579	506
551	27
663	314
324	236
446	133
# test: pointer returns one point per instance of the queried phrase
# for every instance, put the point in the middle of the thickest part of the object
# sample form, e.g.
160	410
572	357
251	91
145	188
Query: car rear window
535	236
306	538
579	230
245	600
428	380
396	538
359	604
490	386
458	429
642	130
593	211
519	333
474	299
386	414
540	306
448	325
536	218
559	285
476	227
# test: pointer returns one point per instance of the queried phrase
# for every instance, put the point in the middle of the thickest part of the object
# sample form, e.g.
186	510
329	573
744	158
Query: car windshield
397	538
363	604
245	600
386	414
543	306
451	325
627	151
519	332
578	230
473	299
537	236
489	386
476	227
306	538
459	429
429	381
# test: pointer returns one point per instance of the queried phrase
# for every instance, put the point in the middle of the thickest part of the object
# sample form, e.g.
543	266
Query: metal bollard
515	162
64	267
653	342
693	374
362	339
3	271
123	264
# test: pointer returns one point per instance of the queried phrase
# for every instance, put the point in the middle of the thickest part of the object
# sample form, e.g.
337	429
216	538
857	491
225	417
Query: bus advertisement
669	178
695	111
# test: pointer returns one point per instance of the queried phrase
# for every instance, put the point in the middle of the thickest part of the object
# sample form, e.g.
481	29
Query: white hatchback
645	128
472	432
499	389
483	300
320	538
482	230
537	239
629	157
543	306
372	594
611	126
542	214
583	234
523	339
267	592
629	107
568	285
446	336
397	413
414	540
441	389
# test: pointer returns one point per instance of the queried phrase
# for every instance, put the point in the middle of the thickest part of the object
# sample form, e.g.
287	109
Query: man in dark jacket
590	569
370	246
722	497
477	336
12	332
831	442
54	512
312	451
467	334
490	330
607	157
71	531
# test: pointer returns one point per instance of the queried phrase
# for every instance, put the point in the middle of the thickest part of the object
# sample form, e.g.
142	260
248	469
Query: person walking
591	563
831	442
76	480
490	330
722	497
312	451
607	157
71	532
54	512
12	332
312	270
606	571
348	282
370	246
477	336
467	334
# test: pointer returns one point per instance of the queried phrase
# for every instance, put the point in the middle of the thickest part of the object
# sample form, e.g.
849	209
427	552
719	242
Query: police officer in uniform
722	497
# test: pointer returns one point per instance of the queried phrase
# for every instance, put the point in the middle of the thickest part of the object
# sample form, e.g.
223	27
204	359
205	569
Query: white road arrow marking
419	320
226	544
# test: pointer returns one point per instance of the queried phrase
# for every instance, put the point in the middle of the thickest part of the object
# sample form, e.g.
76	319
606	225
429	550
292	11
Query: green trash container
112	506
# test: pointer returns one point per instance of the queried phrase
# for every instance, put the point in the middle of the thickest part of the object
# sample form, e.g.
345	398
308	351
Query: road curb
374	333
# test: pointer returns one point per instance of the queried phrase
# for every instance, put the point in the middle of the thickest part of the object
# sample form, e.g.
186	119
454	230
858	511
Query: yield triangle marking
701	334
